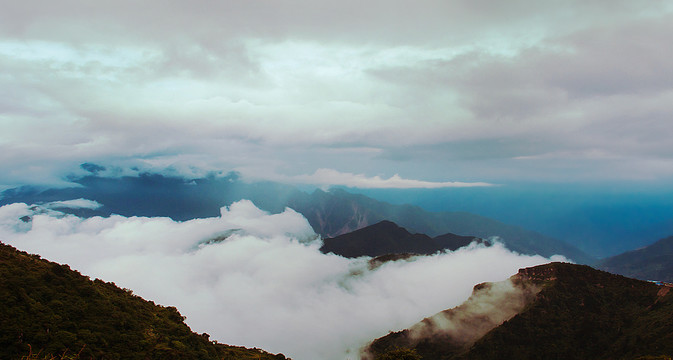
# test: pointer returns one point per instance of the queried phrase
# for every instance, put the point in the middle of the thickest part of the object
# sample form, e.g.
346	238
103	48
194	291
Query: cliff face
563	311
538	274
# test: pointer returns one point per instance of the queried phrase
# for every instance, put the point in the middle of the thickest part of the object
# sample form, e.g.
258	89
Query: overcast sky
439	93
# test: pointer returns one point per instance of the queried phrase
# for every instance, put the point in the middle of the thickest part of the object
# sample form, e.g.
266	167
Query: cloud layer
255	279
329	177
443	91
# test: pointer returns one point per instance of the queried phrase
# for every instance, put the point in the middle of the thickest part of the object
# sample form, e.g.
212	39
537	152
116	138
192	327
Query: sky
381	94
396	94
247	277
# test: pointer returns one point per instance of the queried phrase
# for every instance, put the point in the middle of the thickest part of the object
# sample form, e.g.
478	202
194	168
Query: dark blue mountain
653	262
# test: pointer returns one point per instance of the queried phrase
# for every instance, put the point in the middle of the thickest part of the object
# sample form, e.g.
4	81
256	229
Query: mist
251	278
490	305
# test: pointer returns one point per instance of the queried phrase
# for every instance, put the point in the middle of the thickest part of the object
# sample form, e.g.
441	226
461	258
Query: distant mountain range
338	212
387	238
330	213
48	311
552	311
654	262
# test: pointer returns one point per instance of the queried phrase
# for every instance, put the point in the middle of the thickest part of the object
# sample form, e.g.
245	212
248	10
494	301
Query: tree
399	354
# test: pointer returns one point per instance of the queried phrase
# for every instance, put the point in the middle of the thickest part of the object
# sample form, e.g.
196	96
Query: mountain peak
386	237
385	225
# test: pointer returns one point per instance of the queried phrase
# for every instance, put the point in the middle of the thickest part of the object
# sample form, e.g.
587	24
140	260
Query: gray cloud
262	84
256	279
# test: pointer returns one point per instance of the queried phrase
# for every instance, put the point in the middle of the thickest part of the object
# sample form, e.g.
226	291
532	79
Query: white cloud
264	282
248	84
333	177
74	204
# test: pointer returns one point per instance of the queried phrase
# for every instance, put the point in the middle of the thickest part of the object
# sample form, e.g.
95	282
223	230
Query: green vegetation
586	314
580	313
399	354
48	311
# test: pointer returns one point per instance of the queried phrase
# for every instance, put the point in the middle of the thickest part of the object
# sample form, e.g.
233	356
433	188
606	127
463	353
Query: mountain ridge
652	262
348	211
388	238
53	311
575	312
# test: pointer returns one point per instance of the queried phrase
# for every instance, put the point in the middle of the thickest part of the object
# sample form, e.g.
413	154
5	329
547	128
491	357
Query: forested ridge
48	310
579	313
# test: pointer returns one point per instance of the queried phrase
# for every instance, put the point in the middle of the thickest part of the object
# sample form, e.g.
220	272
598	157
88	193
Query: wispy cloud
73	204
329	177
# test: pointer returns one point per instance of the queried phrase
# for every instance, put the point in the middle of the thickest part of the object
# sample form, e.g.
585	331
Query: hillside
386	237
48	309
552	311
649	263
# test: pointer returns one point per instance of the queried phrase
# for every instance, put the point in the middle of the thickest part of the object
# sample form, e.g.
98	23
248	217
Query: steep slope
48	309
556	311
649	263
386	237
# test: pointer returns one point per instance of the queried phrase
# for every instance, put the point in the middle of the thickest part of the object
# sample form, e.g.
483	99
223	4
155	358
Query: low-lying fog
257	279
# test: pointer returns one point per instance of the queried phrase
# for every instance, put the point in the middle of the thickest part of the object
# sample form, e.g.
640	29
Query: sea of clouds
257	279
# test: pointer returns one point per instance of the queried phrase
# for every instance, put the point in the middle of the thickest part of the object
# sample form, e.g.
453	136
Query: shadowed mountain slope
386	237
552	311
654	262
47	308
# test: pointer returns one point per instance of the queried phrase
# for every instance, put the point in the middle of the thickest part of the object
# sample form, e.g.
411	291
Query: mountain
150	194
339	212
652	262
601	220
386	237
452	242
552	311
330	213
49	311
